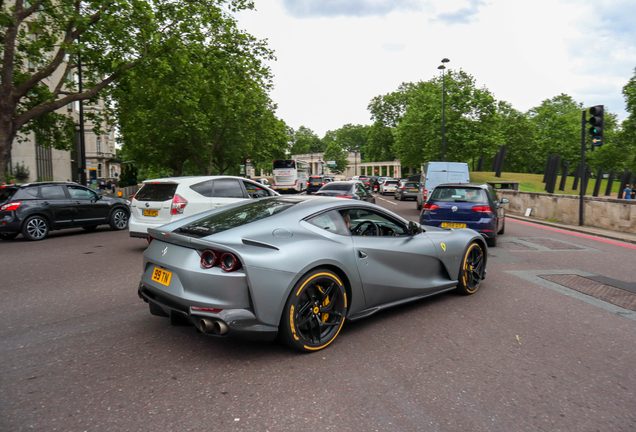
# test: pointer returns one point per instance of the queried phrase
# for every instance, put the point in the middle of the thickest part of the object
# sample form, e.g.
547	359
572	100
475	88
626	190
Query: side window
365	222
203	188
53	192
228	188
331	221
26	193
493	194
255	191
81	193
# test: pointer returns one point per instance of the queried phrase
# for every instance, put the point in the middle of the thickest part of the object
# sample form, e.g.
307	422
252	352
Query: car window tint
156	192
233	217
228	188
387	225
255	191
53	192
331	221
7	192
203	188
412	185
451	194
336	187
81	193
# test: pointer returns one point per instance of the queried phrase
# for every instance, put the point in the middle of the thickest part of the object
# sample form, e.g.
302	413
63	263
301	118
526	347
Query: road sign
248	161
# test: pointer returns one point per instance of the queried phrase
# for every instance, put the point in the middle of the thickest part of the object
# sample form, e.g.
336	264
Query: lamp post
355	161
443	67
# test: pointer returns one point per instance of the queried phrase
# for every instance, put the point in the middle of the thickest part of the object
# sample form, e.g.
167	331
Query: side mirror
414	228
505	200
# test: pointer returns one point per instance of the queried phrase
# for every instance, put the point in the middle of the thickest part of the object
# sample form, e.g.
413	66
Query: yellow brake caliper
325	316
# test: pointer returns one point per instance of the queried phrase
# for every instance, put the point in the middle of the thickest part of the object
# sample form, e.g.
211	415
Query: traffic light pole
582	173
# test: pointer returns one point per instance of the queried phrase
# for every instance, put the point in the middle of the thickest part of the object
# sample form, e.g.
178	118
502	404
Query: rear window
412	184
236	216
286	163
6	192
336	187
451	194
391	182
156	192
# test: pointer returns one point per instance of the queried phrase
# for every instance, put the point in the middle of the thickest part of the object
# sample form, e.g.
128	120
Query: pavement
599	232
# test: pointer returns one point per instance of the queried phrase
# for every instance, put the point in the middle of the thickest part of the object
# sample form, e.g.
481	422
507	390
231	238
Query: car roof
464	185
46	183
190	179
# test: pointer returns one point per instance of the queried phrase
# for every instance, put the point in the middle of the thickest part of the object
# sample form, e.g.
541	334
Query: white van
435	173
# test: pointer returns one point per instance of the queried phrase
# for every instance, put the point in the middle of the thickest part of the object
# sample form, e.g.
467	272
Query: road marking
576	234
386	200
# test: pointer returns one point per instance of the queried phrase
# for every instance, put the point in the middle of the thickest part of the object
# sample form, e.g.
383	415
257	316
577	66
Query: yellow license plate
412	190
453	225
161	276
151	213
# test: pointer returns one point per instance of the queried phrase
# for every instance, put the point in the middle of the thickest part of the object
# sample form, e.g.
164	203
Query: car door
89	208
496	206
57	205
393	267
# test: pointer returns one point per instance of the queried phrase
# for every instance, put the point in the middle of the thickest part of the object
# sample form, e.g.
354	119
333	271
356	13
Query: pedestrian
627	192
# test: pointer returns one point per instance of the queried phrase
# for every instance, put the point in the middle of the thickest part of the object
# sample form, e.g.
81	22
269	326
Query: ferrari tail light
344	196
150	240
11	206
178	204
229	262
428	206
209	259
482	209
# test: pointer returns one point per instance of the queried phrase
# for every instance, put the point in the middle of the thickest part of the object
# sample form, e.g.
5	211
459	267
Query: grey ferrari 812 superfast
299	266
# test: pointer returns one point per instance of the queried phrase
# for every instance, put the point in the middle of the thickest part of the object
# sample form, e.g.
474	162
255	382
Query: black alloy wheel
35	228
471	272
315	311
8	236
119	219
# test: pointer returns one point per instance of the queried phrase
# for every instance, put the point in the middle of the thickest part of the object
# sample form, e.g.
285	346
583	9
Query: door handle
362	254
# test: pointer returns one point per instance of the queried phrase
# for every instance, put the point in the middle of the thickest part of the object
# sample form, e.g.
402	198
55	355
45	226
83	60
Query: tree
627	136
304	140
202	108
517	134
380	141
335	153
43	40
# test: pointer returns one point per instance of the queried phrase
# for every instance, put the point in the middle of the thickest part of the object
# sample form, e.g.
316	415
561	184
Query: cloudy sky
334	56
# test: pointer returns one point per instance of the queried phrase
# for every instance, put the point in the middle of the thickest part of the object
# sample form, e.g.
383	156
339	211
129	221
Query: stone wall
603	212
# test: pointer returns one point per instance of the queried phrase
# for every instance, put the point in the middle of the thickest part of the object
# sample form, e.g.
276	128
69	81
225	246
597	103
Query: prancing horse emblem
163	252
454	208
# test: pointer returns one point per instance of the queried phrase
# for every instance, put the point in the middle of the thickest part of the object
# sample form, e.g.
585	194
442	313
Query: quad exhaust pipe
215	327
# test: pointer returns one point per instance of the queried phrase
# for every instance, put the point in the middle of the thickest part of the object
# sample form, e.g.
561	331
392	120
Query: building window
99	170
99	146
43	163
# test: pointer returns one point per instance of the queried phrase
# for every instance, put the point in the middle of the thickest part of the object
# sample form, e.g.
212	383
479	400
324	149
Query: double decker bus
290	175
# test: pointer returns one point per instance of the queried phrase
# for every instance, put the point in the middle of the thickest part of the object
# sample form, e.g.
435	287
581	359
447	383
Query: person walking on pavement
627	192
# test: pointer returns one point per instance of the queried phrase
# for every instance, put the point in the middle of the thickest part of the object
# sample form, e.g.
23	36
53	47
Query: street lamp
443	67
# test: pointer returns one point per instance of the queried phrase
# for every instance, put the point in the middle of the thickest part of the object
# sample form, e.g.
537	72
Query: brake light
178	204
344	196
11	206
428	206
150	240
482	209
323	183
403	187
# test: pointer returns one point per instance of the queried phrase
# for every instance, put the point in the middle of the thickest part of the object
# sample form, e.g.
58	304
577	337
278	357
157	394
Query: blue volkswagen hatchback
466	205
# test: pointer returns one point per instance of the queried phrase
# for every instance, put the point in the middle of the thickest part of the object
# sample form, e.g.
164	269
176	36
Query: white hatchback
388	186
166	200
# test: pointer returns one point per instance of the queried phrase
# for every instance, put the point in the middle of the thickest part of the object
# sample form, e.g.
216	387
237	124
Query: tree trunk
7	134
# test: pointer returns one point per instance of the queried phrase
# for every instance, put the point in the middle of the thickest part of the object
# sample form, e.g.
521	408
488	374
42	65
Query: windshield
336	187
234	217
284	163
451	194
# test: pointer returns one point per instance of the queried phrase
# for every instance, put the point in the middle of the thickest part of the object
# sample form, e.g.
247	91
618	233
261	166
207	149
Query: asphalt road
80	352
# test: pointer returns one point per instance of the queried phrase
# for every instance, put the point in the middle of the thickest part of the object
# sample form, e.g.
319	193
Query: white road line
386	200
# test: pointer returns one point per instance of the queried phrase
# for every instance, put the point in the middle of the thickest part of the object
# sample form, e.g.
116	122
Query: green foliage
380	141
335	153
21	172
304	141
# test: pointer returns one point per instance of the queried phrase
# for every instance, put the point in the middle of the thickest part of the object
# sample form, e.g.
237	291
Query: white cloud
334	56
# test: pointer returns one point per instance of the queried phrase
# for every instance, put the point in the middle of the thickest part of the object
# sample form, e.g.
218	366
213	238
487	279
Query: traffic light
597	125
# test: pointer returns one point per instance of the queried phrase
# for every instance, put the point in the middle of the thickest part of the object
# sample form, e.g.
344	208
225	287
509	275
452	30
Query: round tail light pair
228	261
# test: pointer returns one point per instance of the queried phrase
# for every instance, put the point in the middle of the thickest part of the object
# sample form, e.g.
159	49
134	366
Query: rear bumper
241	323
9	224
486	229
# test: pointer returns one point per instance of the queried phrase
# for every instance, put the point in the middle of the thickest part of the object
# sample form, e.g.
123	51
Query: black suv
316	182
34	209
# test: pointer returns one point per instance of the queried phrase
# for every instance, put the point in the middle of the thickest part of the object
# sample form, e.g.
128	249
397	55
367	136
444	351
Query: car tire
491	242
90	228
315	311
119	219
503	227
35	228
471	271
8	236
419	206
